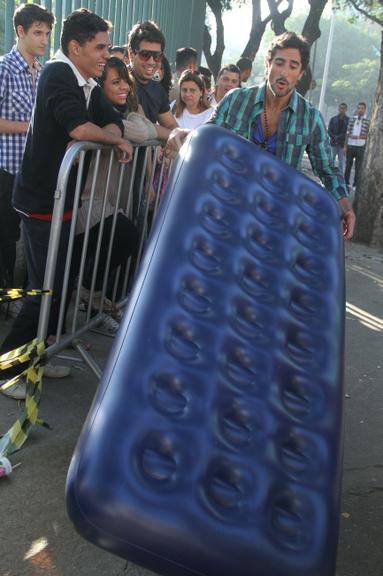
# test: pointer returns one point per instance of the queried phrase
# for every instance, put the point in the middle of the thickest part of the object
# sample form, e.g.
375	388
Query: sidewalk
36	537
360	546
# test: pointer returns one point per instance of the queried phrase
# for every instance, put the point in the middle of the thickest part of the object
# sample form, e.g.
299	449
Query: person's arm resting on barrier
110	134
168	123
175	140
138	128
68	103
322	162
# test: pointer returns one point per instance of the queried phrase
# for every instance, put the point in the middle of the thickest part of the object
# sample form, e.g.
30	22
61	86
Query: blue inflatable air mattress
213	446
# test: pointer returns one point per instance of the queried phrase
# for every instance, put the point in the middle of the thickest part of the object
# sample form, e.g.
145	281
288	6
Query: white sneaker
109	324
97	302
56	371
17	391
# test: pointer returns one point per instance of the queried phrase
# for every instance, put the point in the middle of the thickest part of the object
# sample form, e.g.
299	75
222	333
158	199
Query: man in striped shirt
275	117
19	73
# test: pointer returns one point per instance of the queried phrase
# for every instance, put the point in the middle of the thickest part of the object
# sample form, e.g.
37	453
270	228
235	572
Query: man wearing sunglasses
146	44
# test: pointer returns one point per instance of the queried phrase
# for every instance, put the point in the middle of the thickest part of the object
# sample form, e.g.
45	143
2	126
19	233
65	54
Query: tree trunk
369	216
279	18
305	82
311	32
214	60
258	27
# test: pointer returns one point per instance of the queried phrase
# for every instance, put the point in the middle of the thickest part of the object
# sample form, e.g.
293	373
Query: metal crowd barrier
138	194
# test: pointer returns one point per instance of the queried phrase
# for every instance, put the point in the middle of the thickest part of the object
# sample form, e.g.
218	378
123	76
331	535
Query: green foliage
369	9
366	72
355	61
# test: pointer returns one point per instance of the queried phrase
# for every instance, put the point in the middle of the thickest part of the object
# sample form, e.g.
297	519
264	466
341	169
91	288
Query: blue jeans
339	151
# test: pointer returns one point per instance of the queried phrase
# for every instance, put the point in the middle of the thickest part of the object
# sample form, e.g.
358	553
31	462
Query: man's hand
348	218
175	141
124	151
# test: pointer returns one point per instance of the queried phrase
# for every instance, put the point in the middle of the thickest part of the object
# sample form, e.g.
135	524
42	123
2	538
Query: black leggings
125	244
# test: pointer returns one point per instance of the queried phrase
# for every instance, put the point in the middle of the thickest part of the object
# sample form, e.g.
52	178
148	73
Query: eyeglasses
145	55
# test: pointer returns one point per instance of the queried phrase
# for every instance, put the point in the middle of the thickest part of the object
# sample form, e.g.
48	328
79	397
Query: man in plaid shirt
19	72
275	117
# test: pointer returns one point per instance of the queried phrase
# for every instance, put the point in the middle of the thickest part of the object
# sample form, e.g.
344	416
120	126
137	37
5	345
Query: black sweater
60	107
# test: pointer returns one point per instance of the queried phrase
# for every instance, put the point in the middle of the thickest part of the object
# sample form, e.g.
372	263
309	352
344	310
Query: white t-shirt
353	139
192	121
212	100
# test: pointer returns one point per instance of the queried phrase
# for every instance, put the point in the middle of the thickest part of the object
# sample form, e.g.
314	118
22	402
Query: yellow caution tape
34	352
9	294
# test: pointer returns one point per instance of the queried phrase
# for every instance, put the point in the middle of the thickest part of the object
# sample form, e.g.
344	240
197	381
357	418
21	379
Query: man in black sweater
69	107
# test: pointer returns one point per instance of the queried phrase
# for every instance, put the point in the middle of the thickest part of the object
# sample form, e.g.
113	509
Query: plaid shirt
301	128
17	96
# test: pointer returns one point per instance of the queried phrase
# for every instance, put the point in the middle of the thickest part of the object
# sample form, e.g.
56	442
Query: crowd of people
348	138
121	95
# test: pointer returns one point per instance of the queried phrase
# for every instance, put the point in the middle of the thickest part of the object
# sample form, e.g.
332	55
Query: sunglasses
145	55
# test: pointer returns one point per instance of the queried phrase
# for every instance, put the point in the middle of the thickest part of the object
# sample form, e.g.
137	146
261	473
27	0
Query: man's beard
280	92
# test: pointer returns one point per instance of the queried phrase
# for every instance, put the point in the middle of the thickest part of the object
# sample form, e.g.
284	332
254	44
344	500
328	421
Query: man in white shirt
357	132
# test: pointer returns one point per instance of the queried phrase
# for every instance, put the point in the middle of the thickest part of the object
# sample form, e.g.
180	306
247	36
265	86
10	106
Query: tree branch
278	19
311	30
214	59
258	27
366	14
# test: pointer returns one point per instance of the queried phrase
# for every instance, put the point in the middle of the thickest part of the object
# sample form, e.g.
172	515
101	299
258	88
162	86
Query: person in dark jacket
337	130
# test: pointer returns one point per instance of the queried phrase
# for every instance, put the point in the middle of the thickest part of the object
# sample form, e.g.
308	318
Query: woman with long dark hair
118	87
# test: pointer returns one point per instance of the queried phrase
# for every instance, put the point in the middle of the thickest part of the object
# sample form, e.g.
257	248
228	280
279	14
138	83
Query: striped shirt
301	128
357	131
17	96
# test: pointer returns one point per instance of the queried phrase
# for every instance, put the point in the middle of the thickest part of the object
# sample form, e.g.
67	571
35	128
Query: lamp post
327	63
